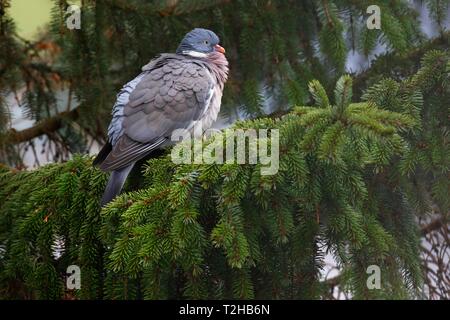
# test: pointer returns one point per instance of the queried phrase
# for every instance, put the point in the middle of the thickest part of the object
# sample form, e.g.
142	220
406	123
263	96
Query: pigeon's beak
219	49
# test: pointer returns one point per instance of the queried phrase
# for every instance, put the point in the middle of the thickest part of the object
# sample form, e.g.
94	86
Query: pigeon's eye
206	42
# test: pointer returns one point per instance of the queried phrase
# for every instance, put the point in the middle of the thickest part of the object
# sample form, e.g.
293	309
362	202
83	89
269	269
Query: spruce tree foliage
226	231
361	159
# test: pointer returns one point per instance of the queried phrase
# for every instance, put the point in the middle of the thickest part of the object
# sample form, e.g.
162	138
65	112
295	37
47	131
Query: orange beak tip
219	49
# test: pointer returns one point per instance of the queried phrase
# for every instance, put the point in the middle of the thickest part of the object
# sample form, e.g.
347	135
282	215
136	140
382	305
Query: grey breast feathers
171	93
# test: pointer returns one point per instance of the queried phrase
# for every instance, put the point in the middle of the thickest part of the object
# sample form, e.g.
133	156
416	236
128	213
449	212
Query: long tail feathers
107	148
115	183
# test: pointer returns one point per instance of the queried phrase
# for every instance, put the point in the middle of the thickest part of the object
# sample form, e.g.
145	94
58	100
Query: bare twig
45	126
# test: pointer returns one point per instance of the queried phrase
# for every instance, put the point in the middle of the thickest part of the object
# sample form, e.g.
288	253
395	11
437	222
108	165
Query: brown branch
433	225
333	282
45	126
327	13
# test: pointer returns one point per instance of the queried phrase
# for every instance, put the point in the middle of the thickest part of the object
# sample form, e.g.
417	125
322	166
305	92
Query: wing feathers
127	151
172	93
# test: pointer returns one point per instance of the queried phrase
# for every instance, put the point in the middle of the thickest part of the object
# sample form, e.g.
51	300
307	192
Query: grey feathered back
172	92
115	128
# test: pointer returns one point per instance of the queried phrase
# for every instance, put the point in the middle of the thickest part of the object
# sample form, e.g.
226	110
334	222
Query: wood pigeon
173	91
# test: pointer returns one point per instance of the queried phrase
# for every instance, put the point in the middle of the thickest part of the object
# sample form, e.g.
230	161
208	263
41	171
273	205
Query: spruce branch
436	224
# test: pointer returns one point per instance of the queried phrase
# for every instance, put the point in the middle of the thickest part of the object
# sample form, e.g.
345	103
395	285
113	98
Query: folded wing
172	93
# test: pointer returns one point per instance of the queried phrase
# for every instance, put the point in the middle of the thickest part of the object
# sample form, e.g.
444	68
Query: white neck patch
195	54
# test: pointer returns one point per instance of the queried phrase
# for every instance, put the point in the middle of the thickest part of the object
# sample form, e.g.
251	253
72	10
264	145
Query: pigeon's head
199	42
